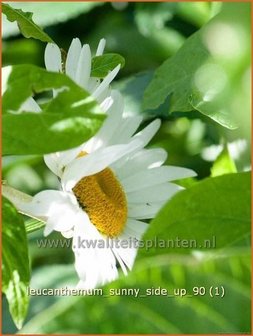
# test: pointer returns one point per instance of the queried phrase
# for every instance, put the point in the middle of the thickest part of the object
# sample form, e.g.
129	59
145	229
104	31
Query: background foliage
186	63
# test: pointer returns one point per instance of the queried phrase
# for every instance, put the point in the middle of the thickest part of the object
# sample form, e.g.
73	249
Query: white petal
128	256
106	104
101	47
94	163
5	74
73	57
48	229
68	234
57	161
125	130
94	264
110	125
143	159
52	162
125	254
63	218
107	80
148	132
136	228
131	236
120	261
156	193
93	84
84	67
58	207
53	58
104	94
145	136
30	105
69	155
43	202
150	177
144	211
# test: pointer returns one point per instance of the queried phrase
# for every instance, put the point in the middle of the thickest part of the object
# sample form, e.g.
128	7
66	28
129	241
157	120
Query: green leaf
174	76
65	122
51	276
101	65
187	78
16	273
157	314
25	23
49	13
224	164
211	214
132	89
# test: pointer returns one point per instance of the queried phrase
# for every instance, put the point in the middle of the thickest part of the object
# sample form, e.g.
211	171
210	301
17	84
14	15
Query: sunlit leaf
205	76
132	89
48	13
101	65
224	164
16	272
211	214
65	122
25	23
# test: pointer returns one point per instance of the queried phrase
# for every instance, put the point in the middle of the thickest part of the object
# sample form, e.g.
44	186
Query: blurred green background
146	34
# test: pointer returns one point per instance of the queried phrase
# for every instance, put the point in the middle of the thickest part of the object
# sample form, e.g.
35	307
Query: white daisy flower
78	67
109	185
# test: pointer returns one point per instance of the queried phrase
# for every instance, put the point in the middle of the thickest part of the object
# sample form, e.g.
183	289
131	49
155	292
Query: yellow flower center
104	200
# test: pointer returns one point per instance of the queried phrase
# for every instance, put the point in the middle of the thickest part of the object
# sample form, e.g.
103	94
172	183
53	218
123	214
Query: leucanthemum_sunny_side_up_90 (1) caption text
109	184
